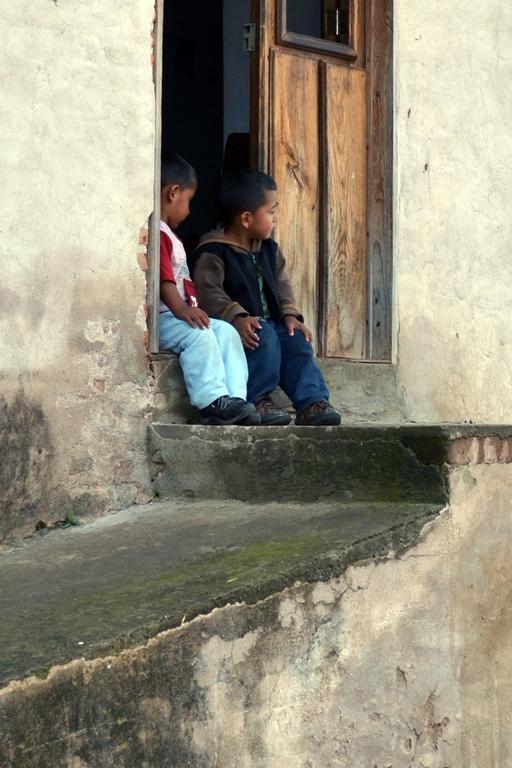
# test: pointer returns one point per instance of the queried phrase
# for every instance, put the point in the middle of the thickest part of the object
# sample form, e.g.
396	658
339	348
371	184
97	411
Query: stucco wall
76	132
453	201
405	661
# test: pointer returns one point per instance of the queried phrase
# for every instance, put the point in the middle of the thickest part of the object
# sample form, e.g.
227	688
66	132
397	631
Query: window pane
336	20
304	17
323	19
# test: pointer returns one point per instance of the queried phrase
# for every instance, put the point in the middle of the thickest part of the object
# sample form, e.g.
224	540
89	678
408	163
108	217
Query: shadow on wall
26	454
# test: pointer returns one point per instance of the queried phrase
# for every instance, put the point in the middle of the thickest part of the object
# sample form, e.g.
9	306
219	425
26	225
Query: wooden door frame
379	97
153	279
260	74
379	111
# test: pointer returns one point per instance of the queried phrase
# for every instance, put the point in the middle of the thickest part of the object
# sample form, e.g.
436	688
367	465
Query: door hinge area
249	37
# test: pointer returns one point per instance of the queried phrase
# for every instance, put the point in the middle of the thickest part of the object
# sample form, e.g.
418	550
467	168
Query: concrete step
264	464
364	392
111	584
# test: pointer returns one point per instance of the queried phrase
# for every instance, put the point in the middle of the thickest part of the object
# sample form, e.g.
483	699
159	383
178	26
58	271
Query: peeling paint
395	673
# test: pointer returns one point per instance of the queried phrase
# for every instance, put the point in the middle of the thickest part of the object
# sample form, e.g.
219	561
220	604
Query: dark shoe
270	415
227	410
320	414
252	420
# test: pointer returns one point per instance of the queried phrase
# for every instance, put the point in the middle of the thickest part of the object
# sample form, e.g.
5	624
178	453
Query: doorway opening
205	97
302	90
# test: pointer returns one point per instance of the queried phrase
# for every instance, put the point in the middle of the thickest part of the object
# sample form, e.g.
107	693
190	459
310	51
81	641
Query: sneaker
252	420
270	415
320	414
228	410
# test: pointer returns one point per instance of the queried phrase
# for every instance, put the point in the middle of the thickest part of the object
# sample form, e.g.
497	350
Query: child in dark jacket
240	276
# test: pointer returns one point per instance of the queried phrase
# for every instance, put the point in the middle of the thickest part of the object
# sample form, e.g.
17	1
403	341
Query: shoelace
265	404
315	408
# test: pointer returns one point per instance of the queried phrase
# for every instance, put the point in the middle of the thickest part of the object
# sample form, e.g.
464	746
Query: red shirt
174	267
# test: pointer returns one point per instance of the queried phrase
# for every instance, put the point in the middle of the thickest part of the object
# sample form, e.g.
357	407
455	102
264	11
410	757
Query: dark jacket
226	279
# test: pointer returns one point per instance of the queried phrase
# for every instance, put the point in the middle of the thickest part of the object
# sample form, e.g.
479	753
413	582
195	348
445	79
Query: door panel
322	115
295	150
345	316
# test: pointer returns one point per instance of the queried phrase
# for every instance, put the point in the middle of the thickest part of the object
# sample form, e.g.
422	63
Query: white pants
213	359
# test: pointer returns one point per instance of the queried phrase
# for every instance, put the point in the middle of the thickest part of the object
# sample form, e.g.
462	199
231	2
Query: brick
480	450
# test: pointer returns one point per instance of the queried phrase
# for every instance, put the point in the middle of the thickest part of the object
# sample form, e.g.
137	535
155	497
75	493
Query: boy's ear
245	219
171	191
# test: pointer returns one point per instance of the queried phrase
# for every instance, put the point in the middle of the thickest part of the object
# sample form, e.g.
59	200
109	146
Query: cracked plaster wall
77	135
398	663
453	190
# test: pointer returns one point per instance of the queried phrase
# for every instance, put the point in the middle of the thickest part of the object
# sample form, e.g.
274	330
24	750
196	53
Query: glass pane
323	19
336	21
304	17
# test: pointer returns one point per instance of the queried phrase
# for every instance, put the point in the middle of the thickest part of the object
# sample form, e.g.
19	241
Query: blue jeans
212	360
287	361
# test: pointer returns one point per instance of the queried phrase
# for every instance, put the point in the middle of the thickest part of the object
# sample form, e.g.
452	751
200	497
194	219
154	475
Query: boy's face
177	203
261	223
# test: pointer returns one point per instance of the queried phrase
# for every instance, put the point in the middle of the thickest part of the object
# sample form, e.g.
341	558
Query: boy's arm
212	297
285	290
169	294
194	316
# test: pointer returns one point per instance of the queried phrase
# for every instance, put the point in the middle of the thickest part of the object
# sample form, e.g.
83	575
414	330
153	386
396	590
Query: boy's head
178	187
248	200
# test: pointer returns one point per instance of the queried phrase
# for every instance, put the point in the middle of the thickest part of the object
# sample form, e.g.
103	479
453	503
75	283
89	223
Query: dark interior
205	96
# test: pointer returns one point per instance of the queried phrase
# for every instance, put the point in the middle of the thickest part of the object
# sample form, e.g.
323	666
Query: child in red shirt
210	351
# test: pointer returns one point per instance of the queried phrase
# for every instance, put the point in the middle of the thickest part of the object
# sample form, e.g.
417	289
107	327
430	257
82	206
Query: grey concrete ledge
445	431
262	464
432	442
112	584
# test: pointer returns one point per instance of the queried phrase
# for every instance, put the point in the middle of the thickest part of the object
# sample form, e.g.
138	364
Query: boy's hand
292	325
247	327
195	317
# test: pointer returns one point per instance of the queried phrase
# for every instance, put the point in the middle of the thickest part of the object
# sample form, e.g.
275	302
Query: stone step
93	590
264	464
364	392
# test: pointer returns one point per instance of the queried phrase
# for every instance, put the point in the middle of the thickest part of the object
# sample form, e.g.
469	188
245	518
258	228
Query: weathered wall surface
401	662
76	131
454	194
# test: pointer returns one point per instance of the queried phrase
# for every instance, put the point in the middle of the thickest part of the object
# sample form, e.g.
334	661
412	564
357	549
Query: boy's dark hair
176	170
242	190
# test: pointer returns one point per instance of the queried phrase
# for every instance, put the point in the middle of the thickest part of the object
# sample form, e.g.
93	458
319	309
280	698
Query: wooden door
322	119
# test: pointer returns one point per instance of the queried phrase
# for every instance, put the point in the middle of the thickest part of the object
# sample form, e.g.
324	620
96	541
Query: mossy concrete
119	580
387	663
347	463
